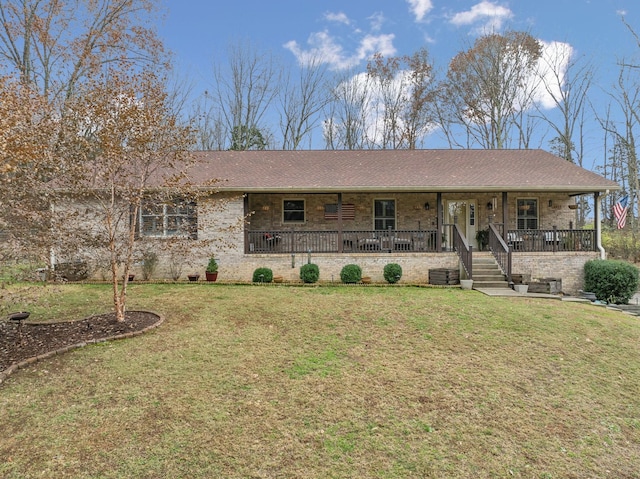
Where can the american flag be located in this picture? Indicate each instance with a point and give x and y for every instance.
(331, 211)
(620, 211)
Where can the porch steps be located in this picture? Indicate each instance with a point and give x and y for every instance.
(486, 272)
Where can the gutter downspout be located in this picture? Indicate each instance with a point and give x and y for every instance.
(597, 225)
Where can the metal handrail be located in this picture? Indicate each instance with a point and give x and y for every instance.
(500, 250)
(464, 250)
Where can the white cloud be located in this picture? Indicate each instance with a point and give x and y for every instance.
(337, 17)
(323, 47)
(552, 68)
(420, 8)
(489, 15)
(376, 21)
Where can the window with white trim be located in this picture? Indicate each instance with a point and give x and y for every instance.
(176, 218)
(527, 211)
(293, 211)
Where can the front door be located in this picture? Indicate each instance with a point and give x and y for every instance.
(463, 214)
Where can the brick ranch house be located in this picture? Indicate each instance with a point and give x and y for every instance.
(422, 209)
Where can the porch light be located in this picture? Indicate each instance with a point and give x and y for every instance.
(426, 206)
(490, 205)
(550, 203)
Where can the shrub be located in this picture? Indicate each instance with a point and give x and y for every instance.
(392, 273)
(309, 273)
(351, 273)
(149, 264)
(262, 275)
(212, 266)
(613, 281)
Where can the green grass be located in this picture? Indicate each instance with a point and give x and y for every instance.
(327, 382)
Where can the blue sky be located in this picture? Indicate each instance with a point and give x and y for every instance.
(346, 33)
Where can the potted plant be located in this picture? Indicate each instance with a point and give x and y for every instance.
(212, 270)
(193, 277)
(482, 238)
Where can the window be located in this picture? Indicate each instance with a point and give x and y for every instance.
(171, 219)
(527, 209)
(293, 211)
(384, 212)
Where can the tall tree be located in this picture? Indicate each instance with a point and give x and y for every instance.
(244, 91)
(625, 97)
(301, 103)
(404, 92)
(55, 45)
(27, 161)
(345, 123)
(490, 84)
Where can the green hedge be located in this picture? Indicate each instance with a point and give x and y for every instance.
(351, 273)
(612, 281)
(266, 273)
(392, 273)
(309, 273)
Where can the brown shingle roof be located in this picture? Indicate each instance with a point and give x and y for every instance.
(395, 170)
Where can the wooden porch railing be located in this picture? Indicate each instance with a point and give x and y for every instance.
(361, 241)
(551, 240)
(464, 250)
(500, 251)
(370, 241)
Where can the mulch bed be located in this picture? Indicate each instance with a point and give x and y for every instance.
(26, 341)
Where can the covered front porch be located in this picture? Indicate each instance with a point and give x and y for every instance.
(413, 222)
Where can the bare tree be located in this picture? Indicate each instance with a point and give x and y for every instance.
(54, 45)
(625, 98)
(301, 103)
(244, 91)
(345, 120)
(566, 82)
(419, 114)
(211, 130)
(389, 87)
(489, 85)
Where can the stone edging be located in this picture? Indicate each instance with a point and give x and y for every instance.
(15, 367)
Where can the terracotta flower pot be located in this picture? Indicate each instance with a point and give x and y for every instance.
(211, 276)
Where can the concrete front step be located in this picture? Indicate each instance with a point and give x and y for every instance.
(488, 277)
(490, 284)
(487, 273)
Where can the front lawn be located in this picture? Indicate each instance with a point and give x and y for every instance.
(328, 382)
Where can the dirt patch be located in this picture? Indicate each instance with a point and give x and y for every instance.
(20, 342)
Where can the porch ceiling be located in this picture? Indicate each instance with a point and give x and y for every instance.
(395, 171)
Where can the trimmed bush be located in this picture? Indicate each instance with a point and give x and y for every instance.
(351, 273)
(266, 273)
(309, 273)
(612, 281)
(392, 273)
